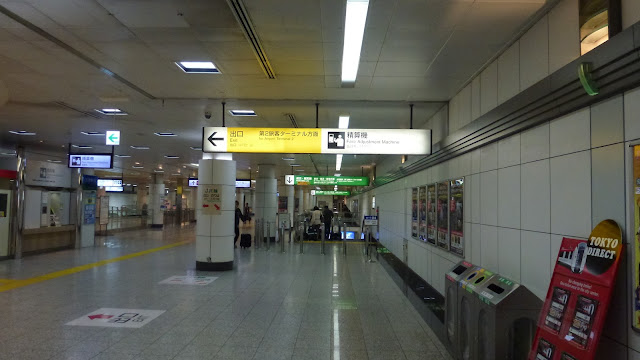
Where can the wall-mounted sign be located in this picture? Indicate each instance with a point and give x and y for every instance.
(109, 182)
(326, 180)
(89, 182)
(431, 214)
(370, 220)
(212, 199)
(112, 137)
(114, 188)
(193, 182)
(317, 141)
(330, 192)
(91, 161)
(636, 217)
(456, 217)
(414, 212)
(442, 210)
(575, 309)
(40, 173)
(422, 213)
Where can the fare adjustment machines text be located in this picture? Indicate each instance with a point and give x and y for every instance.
(452, 286)
(493, 318)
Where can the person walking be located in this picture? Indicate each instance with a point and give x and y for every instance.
(327, 215)
(238, 216)
(316, 220)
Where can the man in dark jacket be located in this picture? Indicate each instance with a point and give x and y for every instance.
(238, 217)
(327, 215)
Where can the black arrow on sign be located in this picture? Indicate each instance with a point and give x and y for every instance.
(289, 180)
(211, 138)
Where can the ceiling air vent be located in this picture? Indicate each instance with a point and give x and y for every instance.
(242, 15)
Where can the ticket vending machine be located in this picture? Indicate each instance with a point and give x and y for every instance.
(506, 320)
(468, 308)
(452, 285)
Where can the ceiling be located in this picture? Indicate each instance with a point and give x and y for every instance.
(53, 56)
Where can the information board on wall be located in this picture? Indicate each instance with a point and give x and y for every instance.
(575, 309)
(283, 202)
(212, 199)
(636, 216)
(414, 212)
(40, 173)
(431, 214)
(442, 208)
(422, 213)
(456, 217)
(316, 141)
(104, 210)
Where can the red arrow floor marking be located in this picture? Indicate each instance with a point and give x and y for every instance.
(100, 316)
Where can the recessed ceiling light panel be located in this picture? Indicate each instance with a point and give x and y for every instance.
(140, 147)
(123, 156)
(111, 111)
(198, 67)
(172, 157)
(355, 21)
(138, 167)
(288, 158)
(242, 112)
(82, 146)
(165, 134)
(92, 133)
(22, 132)
(197, 148)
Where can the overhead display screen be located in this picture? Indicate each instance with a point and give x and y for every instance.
(91, 161)
(109, 182)
(242, 183)
(193, 182)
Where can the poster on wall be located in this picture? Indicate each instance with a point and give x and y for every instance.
(283, 202)
(40, 173)
(422, 213)
(212, 199)
(431, 214)
(104, 210)
(575, 309)
(443, 215)
(636, 228)
(89, 206)
(414, 212)
(456, 220)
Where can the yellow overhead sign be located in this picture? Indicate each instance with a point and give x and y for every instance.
(273, 140)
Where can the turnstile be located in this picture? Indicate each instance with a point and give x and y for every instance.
(452, 285)
(506, 320)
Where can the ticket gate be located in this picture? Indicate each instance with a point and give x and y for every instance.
(452, 285)
(506, 320)
(468, 307)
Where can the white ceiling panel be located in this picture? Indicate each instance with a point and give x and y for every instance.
(146, 13)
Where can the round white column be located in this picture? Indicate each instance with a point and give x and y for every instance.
(307, 200)
(300, 201)
(215, 232)
(291, 203)
(266, 198)
(156, 194)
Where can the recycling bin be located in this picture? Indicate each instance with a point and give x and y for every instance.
(452, 285)
(506, 319)
(468, 307)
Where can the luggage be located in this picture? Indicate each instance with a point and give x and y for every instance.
(336, 236)
(245, 241)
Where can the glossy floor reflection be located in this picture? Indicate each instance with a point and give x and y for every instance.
(271, 306)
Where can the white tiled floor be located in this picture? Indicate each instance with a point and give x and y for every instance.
(271, 306)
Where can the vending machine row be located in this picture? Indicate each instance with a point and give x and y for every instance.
(488, 316)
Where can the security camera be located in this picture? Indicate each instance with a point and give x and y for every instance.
(207, 114)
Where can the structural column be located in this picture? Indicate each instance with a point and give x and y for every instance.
(85, 209)
(291, 204)
(307, 200)
(215, 210)
(179, 191)
(266, 197)
(18, 204)
(300, 201)
(156, 200)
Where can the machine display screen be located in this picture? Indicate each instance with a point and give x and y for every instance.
(351, 235)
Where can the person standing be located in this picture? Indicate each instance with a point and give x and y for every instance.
(238, 216)
(327, 215)
(316, 220)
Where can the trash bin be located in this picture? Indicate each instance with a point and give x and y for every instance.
(452, 285)
(506, 319)
(468, 307)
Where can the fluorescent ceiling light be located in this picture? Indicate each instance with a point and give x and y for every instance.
(111, 111)
(198, 67)
(138, 167)
(22, 132)
(54, 161)
(338, 162)
(195, 164)
(158, 171)
(82, 146)
(288, 159)
(165, 134)
(299, 170)
(176, 174)
(123, 156)
(197, 148)
(140, 147)
(355, 21)
(172, 157)
(134, 185)
(294, 165)
(343, 122)
(242, 112)
(8, 154)
(337, 174)
(92, 133)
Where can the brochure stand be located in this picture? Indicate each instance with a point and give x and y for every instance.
(576, 305)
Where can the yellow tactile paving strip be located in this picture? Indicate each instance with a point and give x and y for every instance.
(10, 284)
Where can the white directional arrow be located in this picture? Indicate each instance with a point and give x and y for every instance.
(289, 179)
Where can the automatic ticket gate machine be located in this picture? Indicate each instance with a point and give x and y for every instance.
(506, 320)
(468, 308)
(452, 285)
